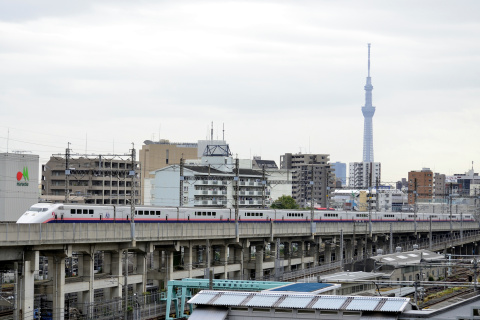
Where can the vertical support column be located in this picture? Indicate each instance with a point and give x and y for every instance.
(287, 253)
(360, 248)
(348, 251)
(328, 253)
(142, 269)
(56, 272)
(116, 272)
(369, 247)
(224, 261)
(302, 254)
(259, 262)
(187, 258)
(239, 260)
(88, 275)
(30, 264)
(168, 266)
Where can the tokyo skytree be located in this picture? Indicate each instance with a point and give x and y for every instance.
(368, 111)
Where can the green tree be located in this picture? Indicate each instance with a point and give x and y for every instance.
(284, 202)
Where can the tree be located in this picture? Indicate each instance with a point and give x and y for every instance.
(284, 202)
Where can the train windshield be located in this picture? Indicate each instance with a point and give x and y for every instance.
(35, 209)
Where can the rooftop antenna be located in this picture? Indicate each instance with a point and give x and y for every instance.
(8, 137)
(223, 135)
(211, 132)
(369, 59)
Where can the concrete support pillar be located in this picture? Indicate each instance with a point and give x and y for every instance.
(142, 269)
(360, 248)
(116, 272)
(56, 273)
(168, 266)
(107, 263)
(239, 259)
(259, 262)
(187, 259)
(301, 248)
(338, 254)
(348, 251)
(287, 252)
(30, 264)
(369, 248)
(224, 261)
(328, 253)
(88, 276)
(273, 250)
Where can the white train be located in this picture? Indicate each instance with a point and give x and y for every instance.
(83, 213)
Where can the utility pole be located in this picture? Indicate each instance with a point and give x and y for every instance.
(415, 207)
(264, 185)
(311, 195)
(236, 186)
(132, 174)
(182, 178)
(67, 174)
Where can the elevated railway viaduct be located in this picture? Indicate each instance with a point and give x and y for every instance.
(169, 251)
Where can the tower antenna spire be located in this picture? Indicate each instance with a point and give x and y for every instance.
(369, 59)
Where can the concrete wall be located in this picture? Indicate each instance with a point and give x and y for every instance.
(19, 184)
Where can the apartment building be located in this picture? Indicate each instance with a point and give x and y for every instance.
(312, 176)
(364, 175)
(96, 179)
(156, 155)
(420, 186)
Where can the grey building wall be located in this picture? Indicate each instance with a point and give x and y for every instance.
(19, 185)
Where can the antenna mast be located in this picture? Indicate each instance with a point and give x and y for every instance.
(369, 59)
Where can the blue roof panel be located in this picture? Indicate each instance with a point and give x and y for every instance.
(303, 287)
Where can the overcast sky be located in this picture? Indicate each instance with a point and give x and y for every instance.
(283, 76)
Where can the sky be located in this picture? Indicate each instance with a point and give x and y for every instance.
(280, 76)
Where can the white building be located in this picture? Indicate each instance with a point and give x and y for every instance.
(364, 174)
(19, 185)
(210, 181)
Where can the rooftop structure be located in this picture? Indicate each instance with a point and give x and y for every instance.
(368, 111)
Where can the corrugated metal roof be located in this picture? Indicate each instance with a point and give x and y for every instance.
(209, 313)
(392, 305)
(296, 301)
(203, 297)
(231, 298)
(329, 302)
(364, 304)
(260, 300)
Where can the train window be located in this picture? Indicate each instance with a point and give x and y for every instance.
(90, 211)
(256, 214)
(209, 213)
(79, 211)
(214, 214)
(72, 211)
(261, 214)
(204, 213)
(158, 213)
(85, 211)
(140, 213)
(247, 214)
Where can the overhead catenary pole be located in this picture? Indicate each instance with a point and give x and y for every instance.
(264, 186)
(236, 186)
(132, 174)
(181, 182)
(67, 174)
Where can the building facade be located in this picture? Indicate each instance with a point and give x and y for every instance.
(18, 184)
(420, 186)
(340, 169)
(312, 176)
(364, 175)
(156, 155)
(95, 179)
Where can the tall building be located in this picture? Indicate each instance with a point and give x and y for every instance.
(156, 155)
(420, 186)
(368, 111)
(340, 172)
(18, 184)
(364, 175)
(309, 171)
(95, 179)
